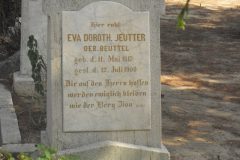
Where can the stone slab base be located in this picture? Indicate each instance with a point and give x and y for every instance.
(23, 84)
(19, 148)
(109, 150)
(9, 129)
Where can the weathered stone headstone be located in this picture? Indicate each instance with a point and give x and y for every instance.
(104, 79)
(33, 22)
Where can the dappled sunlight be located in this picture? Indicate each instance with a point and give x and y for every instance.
(220, 79)
(205, 14)
(209, 4)
(193, 80)
(200, 79)
(218, 113)
(219, 86)
(177, 109)
(211, 80)
(203, 140)
(230, 98)
(178, 82)
(186, 82)
(193, 132)
(175, 141)
(192, 136)
(198, 123)
(197, 136)
(204, 25)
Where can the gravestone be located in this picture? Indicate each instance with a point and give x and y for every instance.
(33, 22)
(104, 79)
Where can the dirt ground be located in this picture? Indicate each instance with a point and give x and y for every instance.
(201, 81)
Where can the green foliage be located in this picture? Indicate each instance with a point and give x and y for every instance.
(9, 11)
(181, 20)
(48, 153)
(5, 155)
(23, 156)
(8, 156)
(38, 65)
(45, 153)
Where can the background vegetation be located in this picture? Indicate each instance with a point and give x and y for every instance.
(9, 11)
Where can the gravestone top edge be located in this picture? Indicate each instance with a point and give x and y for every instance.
(51, 7)
(101, 3)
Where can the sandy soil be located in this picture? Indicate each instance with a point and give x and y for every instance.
(201, 81)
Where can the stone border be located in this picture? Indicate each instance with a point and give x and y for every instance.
(19, 148)
(9, 129)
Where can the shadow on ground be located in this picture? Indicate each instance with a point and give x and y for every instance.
(201, 84)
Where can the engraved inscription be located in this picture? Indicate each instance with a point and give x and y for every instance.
(106, 69)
